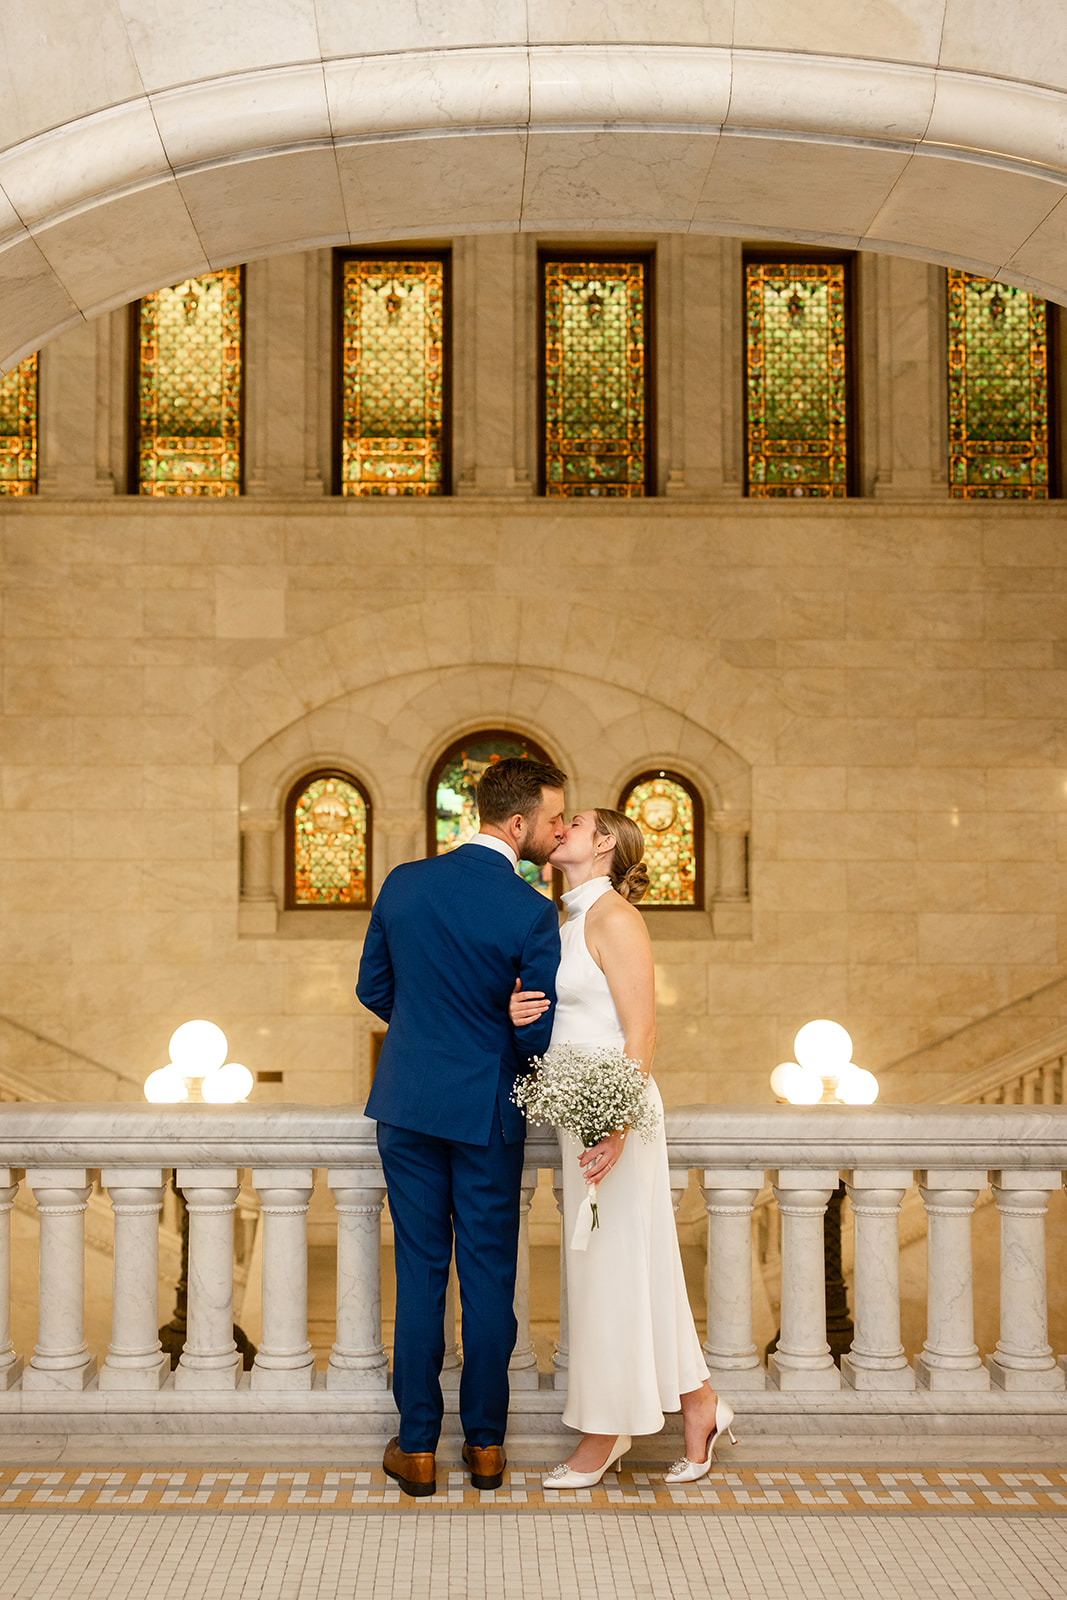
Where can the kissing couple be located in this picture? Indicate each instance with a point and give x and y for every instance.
(467, 964)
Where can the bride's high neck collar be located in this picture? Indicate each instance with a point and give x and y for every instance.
(583, 895)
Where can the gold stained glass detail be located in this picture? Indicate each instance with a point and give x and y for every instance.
(796, 379)
(393, 378)
(330, 844)
(997, 391)
(595, 380)
(455, 808)
(189, 387)
(18, 429)
(663, 810)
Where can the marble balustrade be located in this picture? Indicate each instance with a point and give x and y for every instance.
(952, 1153)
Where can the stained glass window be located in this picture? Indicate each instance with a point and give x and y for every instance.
(595, 379)
(18, 429)
(997, 391)
(669, 813)
(328, 842)
(394, 315)
(189, 387)
(797, 378)
(452, 812)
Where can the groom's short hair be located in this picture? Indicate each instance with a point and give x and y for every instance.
(513, 787)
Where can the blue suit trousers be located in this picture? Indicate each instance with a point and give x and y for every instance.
(441, 1190)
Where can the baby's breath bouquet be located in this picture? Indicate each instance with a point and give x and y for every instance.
(589, 1091)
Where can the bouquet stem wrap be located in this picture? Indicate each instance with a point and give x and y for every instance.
(587, 1219)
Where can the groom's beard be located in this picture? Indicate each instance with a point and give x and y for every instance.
(535, 854)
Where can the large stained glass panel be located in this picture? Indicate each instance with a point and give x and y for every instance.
(328, 843)
(797, 378)
(189, 387)
(595, 335)
(453, 787)
(393, 380)
(669, 816)
(18, 429)
(998, 422)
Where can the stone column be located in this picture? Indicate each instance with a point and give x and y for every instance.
(877, 1360)
(61, 1358)
(949, 1358)
(284, 1359)
(135, 1358)
(729, 1197)
(258, 911)
(10, 1363)
(210, 1359)
(1023, 1359)
(903, 396)
(489, 453)
(561, 1354)
(74, 375)
(727, 875)
(522, 1368)
(802, 1360)
(279, 316)
(358, 1359)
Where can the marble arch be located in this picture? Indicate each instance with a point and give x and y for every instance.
(135, 148)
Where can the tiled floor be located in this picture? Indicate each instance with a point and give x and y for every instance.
(778, 1532)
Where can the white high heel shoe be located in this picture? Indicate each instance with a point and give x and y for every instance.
(686, 1471)
(564, 1477)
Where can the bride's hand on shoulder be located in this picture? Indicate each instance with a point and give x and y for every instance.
(526, 1005)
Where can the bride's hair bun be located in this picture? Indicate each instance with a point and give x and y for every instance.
(634, 883)
(629, 874)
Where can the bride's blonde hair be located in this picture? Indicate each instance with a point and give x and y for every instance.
(629, 875)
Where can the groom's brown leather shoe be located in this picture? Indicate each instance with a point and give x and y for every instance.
(416, 1474)
(487, 1463)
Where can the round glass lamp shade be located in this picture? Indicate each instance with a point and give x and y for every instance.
(197, 1048)
(228, 1084)
(856, 1086)
(824, 1046)
(166, 1087)
(799, 1085)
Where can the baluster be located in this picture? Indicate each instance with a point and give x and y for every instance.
(1023, 1358)
(451, 1361)
(729, 1196)
(10, 1363)
(61, 1358)
(1029, 1089)
(1048, 1083)
(522, 1368)
(135, 1358)
(877, 1359)
(949, 1358)
(802, 1360)
(561, 1354)
(210, 1359)
(284, 1359)
(358, 1359)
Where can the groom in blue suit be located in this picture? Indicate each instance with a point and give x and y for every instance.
(447, 941)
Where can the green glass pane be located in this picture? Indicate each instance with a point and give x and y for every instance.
(189, 388)
(393, 380)
(595, 313)
(330, 845)
(796, 379)
(997, 390)
(663, 810)
(455, 809)
(18, 429)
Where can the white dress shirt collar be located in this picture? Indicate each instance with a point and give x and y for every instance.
(491, 842)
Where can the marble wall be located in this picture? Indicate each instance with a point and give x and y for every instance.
(874, 691)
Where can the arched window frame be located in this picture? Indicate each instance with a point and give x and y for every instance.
(477, 736)
(295, 791)
(697, 801)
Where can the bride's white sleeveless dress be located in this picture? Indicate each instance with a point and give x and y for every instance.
(633, 1347)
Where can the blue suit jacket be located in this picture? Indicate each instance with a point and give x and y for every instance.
(447, 939)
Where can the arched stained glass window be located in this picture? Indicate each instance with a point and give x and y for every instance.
(451, 812)
(595, 375)
(327, 829)
(797, 378)
(393, 437)
(188, 417)
(669, 812)
(998, 422)
(18, 429)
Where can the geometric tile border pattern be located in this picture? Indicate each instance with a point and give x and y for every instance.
(823, 1491)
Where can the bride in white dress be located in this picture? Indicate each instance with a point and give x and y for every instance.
(634, 1350)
